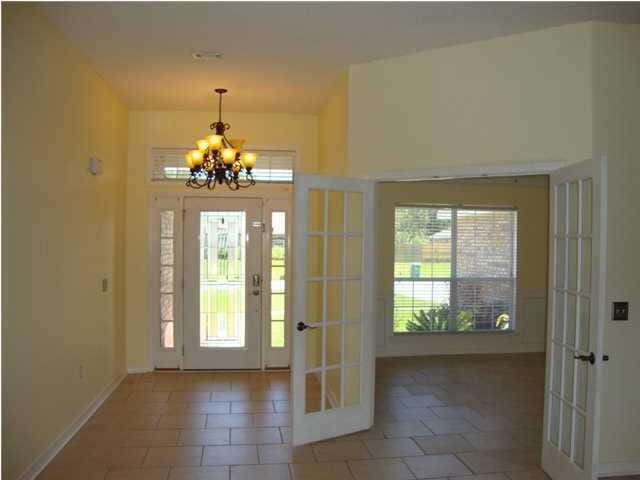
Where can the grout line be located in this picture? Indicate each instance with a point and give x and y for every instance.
(465, 464)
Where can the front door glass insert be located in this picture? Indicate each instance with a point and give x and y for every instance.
(222, 279)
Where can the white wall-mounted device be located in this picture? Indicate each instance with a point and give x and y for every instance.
(95, 166)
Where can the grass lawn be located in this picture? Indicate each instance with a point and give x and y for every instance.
(427, 269)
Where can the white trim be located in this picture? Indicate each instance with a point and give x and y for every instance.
(40, 463)
(264, 192)
(619, 469)
(507, 170)
(134, 370)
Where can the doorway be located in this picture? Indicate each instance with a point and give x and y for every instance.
(220, 282)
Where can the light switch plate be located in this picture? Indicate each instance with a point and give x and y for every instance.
(620, 311)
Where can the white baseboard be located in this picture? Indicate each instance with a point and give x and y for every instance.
(619, 469)
(138, 369)
(54, 448)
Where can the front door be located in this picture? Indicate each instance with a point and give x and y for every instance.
(222, 283)
(333, 298)
(576, 316)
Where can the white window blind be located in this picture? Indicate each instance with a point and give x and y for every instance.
(273, 166)
(454, 269)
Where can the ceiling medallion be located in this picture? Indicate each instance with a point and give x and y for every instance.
(219, 160)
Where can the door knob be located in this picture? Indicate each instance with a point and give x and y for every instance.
(591, 358)
(302, 326)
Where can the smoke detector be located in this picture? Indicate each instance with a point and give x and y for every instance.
(204, 55)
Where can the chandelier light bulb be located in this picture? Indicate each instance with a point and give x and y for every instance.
(228, 156)
(196, 158)
(202, 145)
(215, 141)
(249, 159)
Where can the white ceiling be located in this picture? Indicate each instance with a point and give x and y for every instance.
(280, 57)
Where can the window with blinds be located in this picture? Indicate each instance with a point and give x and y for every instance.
(273, 166)
(454, 269)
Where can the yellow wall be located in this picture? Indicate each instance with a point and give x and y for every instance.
(520, 98)
(62, 231)
(182, 128)
(616, 124)
(332, 130)
(530, 196)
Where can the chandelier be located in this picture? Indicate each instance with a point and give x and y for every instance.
(219, 160)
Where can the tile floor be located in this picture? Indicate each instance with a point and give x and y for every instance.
(463, 417)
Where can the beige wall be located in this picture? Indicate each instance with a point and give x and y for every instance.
(520, 98)
(332, 130)
(182, 128)
(62, 232)
(530, 196)
(616, 124)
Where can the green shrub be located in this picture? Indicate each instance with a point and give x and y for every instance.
(437, 320)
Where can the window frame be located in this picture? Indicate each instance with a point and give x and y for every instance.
(452, 279)
(257, 148)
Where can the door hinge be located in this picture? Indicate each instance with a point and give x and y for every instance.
(184, 213)
(183, 350)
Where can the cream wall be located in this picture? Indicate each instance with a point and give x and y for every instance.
(333, 130)
(531, 198)
(513, 99)
(616, 124)
(182, 128)
(62, 232)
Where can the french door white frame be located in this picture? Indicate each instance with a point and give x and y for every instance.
(556, 463)
(338, 420)
(276, 197)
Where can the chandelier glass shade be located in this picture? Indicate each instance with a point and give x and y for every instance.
(218, 160)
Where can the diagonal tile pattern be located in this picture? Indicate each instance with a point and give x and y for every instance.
(471, 417)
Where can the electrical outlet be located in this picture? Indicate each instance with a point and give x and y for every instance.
(81, 371)
(105, 285)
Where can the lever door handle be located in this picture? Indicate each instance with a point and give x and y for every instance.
(591, 358)
(303, 326)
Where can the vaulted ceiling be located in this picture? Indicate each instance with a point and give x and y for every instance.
(280, 57)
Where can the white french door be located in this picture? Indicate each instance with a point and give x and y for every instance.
(332, 325)
(576, 313)
(222, 283)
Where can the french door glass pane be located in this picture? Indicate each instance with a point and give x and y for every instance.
(554, 420)
(222, 279)
(578, 441)
(567, 428)
(587, 186)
